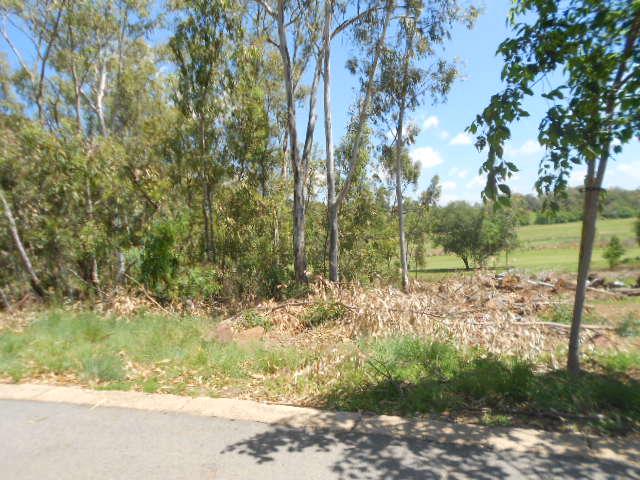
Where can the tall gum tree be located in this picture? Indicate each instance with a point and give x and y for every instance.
(294, 30)
(412, 69)
(593, 50)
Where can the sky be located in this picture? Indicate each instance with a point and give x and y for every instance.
(443, 147)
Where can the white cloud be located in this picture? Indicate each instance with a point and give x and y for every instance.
(457, 172)
(527, 149)
(431, 122)
(630, 170)
(450, 192)
(426, 156)
(444, 135)
(478, 181)
(462, 138)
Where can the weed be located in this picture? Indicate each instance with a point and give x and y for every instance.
(102, 366)
(323, 313)
(561, 313)
(629, 327)
(410, 375)
(252, 319)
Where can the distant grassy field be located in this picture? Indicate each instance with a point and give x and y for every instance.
(554, 247)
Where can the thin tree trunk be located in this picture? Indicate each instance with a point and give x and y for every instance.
(300, 260)
(335, 201)
(364, 106)
(95, 277)
(332, 210)
(26, 262)
(399, 170)
(122, 268)
(593, 187)
(4, 301)
(591, 200)
(43, 65)
(401, 236)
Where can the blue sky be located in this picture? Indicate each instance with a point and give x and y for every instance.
(443, 148)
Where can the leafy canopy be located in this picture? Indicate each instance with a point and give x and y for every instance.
(582, 56)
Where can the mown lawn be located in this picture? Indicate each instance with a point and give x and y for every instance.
(553, 247)
(402, 375)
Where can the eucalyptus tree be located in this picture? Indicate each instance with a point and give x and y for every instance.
(411, 68)
(94, 77)
(41, 22)
(294, 28)
(363, 19)
(203, 50)
(588, 53)
(98, 41)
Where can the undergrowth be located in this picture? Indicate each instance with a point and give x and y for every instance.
(409, 375)
(401, 375)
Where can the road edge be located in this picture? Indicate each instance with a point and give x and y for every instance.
(496, 438)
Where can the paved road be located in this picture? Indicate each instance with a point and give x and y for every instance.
(59, 441)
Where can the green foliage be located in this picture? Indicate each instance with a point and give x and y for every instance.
(614, 252)
(583, 40)
(324, 313)
(159, 263)
(409, 375)
(562, 313)
(629, 326)
(251, 319)
(637, 228)
(473, 232)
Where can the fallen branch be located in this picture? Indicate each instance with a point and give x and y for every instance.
(564, 325)
(146, 294)
(615, 293)
(629, 292)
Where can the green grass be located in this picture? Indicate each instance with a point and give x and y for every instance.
(408, 375)
(555, 247)
(403, 375)
(168, 352)
(563, 313)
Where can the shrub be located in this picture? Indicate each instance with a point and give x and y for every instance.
(629, 327)
(614, 252)
(324, 312)
(251, 319)
(159, 262)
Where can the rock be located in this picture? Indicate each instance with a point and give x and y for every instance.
(250, 335)
(222, 333)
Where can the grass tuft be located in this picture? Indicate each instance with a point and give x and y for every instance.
(409, 375)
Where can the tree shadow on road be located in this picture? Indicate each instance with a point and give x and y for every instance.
(359, 455)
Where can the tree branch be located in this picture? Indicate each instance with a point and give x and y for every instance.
(347, 23)
(267, 8)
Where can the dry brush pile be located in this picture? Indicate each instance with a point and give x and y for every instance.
(498, 313)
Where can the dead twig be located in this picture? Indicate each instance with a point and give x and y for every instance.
(147, 294)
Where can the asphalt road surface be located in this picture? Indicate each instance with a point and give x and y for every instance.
(42, 441)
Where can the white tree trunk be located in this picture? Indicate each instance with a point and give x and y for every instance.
(26, 262)
(332, 210)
